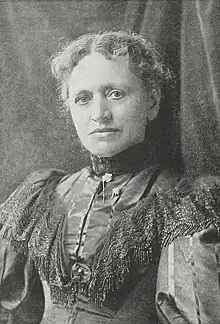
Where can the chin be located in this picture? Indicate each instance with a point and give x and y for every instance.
(102, 154)
(106, 152)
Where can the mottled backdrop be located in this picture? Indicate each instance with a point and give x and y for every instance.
(34, 133)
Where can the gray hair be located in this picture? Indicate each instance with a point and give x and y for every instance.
(143, 58)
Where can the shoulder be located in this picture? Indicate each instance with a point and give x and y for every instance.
(19, 204)
(68, 180)
(29, 203)
(204, 189)
(191, 206)
(168, 179)
(32, 184)
(198, 191)
(43, 175)
(204, 183)
(180, 205)
(174, 183)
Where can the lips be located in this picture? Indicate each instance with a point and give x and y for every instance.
(104, 130)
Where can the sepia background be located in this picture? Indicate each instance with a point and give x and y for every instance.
(35, 133)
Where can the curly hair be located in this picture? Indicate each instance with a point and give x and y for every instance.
(143, 59)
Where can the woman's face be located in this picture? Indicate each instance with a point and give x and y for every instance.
(108, 104)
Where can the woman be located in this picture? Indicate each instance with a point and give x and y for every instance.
(84, 248)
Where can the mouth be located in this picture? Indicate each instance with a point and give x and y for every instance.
(104, 130)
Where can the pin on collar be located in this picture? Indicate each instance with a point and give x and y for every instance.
(107, 177)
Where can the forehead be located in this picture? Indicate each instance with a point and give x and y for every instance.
(95, 71)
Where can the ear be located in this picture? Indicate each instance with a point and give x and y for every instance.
(153, 103)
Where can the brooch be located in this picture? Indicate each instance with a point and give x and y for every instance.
(107, 177)
(80, 272)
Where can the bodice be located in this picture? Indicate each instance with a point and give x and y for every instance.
(91, 207)
(54, 221)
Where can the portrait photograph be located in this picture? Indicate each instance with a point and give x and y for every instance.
(110, 162)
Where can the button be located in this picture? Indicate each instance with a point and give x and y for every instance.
(116, 192)
(160, 298)
(159, 302)
(81, 272)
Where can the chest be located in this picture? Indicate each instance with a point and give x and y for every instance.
(91, 207)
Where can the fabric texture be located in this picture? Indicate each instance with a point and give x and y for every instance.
(188, 289)
(160, 218)
(81, 312)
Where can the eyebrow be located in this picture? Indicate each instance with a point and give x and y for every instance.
(103, 87)
(81, 92)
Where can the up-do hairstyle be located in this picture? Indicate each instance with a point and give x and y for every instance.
(143, 59)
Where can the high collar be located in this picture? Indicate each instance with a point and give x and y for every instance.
(132, 160)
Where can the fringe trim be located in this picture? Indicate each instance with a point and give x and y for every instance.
(156, 220)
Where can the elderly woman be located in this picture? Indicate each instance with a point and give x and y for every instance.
(84, 248)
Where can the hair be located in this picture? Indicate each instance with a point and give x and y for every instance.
(143, 59)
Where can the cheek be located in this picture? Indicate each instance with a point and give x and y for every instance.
(135, 122)
(135, 115)
(79, 119)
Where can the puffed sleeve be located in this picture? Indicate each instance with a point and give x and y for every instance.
(21, 292)
(188, 288)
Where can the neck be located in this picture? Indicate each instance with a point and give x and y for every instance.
(132, 160)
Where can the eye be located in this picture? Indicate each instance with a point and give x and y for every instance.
(82, 100)
(116, 94)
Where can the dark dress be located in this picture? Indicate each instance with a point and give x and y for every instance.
(84, 249)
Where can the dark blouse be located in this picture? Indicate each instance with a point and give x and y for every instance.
(83, 209)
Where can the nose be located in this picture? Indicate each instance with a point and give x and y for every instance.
(100, 109)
